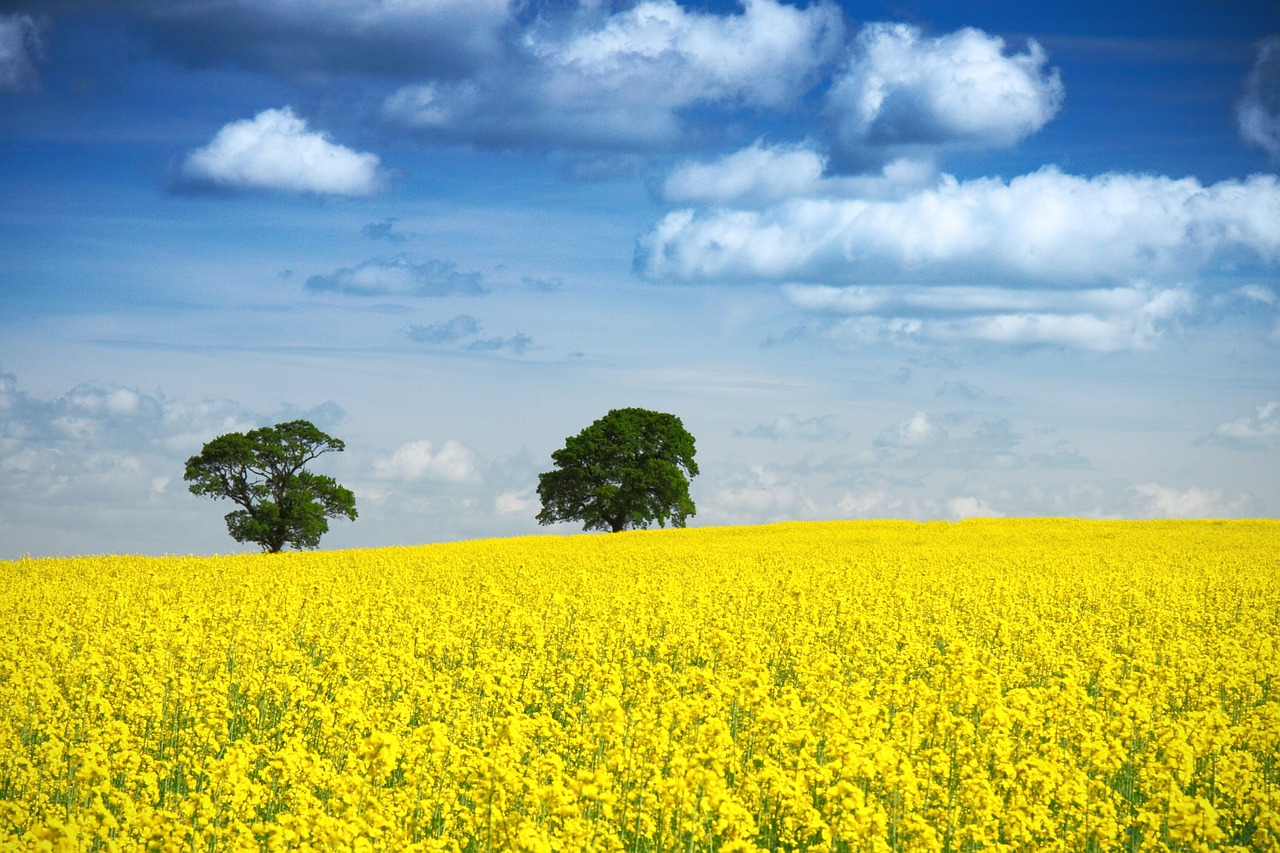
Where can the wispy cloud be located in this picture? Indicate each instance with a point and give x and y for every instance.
(1258, 111)
(21, 47)
(399, 276)
(384, 230)
(792, 427)
(930, 442)
(465, 330)
(275, 150)
(446, 332)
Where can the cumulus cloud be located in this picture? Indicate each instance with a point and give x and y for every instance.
(275, 150)
(1099, 263)
(452, 462)
(1258, 111)
(399, 276)
(1257, 430)
(21, 47)
(621, 80)
(1046, 226)
(903, 91)
(762, 175)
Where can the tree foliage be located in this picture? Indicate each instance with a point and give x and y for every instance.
(263, 472)
(627, 470)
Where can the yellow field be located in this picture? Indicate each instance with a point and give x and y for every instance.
(987, 685)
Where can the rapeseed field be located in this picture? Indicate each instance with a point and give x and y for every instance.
(993, 685)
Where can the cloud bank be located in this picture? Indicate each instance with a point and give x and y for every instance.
(275, 150)
(1098, 263)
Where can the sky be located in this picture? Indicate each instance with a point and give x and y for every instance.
(921, 260)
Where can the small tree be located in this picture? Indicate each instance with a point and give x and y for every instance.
(262, 471)
(627, 470)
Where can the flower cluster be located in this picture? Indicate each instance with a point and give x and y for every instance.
(1002, 685)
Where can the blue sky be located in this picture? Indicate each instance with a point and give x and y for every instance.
(914, 260)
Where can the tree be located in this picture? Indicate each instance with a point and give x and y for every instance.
(627, 470)
(262, 471)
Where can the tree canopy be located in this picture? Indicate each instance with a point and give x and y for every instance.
(263, 471)
(629, 469)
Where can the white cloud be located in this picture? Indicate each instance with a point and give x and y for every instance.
(762, 175)
(857, 504)
(1104, 321)
(21, 46)
(619, 80)
(275, 150)
(1261, 429)
(763, 56)
(1167, 502)
(917, 432)
(1257, 293)
(98, 469)
(1100, 263)
(755, 496)
(755, 173)
(970, 507)
(453, 462)
(1046, 228)
(1258, 111)
(902, 90)
(523, 502)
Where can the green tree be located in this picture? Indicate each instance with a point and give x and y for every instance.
(262, 471)
(627, 470)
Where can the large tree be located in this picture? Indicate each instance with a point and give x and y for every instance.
(627, 470)
(263, 471)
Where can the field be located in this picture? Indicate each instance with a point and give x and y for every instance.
(988, 685)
